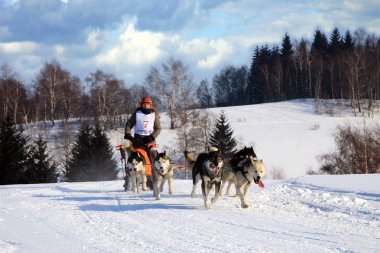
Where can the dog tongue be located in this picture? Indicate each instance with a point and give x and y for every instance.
(261, 184)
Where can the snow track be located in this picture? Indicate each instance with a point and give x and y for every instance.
(287, 216)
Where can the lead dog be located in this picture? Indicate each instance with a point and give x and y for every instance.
(247, 170)
(228, 174)
(136, 167)
(208, 168)
(164, 172)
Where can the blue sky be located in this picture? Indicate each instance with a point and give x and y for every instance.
(127, 37)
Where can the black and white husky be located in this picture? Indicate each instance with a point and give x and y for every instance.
(163, 171)
(136, 167)
(208, 168)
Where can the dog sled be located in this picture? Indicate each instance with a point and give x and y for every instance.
(143, 151)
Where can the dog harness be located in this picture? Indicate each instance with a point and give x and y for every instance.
(236, 168)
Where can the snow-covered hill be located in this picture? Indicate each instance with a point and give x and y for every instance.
(298, 214)
(288, 136)
(306, 214)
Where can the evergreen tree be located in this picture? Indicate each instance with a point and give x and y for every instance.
(79, 164)
(288, 71)
(320, 43)
(221, 137)
(13, 153)
(336, 43)
(103, 167)
(41, 169)
(348, 41)
(91, 157)
(256, 85)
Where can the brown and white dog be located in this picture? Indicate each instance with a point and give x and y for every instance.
(163, 172)
(229, 174)
(248, 170)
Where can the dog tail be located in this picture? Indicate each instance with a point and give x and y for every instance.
(189, 156)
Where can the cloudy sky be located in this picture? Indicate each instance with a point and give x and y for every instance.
(127, 37)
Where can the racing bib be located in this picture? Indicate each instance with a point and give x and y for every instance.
(144, 123)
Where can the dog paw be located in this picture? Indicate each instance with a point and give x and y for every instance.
(158, 198)
(213, 200)
(244, 205)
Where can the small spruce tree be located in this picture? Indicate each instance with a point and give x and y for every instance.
(221, 136)
(103, 167)
(91, 157)
(79, 165)
(13, 153)
(41, 169)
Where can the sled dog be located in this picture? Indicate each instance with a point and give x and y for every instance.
(247, 170)
(136, 167)
(229, 175)
(208, 168)
(164, 171)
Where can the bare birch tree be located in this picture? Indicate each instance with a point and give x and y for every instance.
(171, 84)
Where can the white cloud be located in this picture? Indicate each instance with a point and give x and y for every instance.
(134, 47)
(97, 38)
(59, 50)
(207, 53)
(18, 47)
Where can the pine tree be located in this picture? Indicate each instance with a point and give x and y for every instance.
(348, 41)
(336, 43)
(320, 43)
(41, 169)
(13, 153)
(222, 138)
(91, 157)
(103, 166)
(80, 162)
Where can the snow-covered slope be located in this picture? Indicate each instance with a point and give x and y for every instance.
(306, 214)
(288, 136)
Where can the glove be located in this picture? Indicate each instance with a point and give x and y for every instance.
(149, 139)
(128, 137)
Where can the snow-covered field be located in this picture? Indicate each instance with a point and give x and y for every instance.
(288, 136)
(306, 214)
(298, 214)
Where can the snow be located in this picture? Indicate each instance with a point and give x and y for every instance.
(306, 214)
(319, 213)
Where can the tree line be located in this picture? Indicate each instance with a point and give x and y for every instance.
(339, 67)
(335, 67)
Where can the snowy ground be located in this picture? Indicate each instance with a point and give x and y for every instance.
(306, 214)
(298, 214)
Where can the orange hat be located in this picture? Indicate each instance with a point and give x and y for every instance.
(146, 100)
